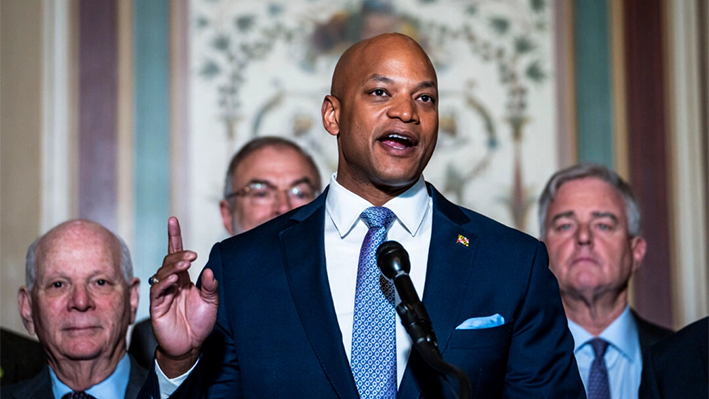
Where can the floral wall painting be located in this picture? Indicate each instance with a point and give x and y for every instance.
(263, 67)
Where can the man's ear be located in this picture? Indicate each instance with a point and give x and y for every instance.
(24, 305)
(134, 292)
(638, 245)
(227, 216)
(331, 114)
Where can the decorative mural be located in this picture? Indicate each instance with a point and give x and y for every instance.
(263, 68)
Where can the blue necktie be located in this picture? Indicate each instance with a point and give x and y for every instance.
(374, 326)
(598, 386)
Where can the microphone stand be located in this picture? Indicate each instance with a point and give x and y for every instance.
(427, 346)
(393, 261)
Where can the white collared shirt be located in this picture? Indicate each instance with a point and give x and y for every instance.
(114, 386)
(623, 357)
(344, 234)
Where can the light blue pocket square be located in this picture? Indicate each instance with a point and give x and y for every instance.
(475, 323)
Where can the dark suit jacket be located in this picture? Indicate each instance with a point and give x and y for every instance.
(649, 333)
(20, 357)
(142, 343)
(40, 387)
(277, 334)
(678, 367)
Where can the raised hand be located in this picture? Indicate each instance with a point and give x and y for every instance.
(182, 314)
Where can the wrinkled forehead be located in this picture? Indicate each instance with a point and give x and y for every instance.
(588, 196)
(397, 53)
(79, 250)
(273, 163)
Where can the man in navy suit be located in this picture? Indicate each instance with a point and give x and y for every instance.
(273, 314)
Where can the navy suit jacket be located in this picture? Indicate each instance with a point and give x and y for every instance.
(277, 333)
(678, 366)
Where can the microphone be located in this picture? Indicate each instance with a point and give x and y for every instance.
(393, 261)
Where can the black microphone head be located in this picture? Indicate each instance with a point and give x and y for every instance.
(393, 259)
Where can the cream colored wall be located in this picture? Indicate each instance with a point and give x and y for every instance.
(688, 210)
(20, 145)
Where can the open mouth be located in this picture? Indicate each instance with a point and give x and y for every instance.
(398, 141)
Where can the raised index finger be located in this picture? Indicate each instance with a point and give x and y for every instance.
(174, 236)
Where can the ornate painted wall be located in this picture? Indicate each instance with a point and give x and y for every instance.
(264, 68)
(128, 111)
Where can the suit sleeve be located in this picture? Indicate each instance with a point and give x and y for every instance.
(541, 363)
(216, 375)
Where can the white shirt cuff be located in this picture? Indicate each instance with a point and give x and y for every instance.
(170, 385)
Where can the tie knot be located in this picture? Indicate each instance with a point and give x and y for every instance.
(377, 216)
(78, 395)
(599, 346)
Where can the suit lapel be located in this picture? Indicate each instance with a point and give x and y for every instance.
(447, 279)
(38, 387)
(304, 254)
(136, 378)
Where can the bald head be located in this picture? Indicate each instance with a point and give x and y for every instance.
(79, 299)
(358, 59)
(76, 230)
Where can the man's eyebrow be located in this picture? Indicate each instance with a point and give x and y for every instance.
(605, 215)
(259, 181)
(380, 78)
(304, 179)
(566, 214)
(268, 183)
(429, 84)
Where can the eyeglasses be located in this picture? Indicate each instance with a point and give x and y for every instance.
(265, 193)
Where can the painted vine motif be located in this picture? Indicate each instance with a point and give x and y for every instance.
(502, 33)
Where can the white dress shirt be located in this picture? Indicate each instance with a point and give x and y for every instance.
(344, 234)
(623, 357)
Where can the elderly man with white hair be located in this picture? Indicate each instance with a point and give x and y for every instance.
(80, 297)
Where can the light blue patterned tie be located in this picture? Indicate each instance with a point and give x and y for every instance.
(598, 386)
(374, 326)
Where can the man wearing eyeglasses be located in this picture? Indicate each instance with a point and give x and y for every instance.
(267, 177)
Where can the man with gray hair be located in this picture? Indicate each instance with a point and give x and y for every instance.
(590, 221)
(80, 297)
(267, 177)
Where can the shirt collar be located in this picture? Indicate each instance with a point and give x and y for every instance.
(621, 334)
(117, 382)
(344, 206)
